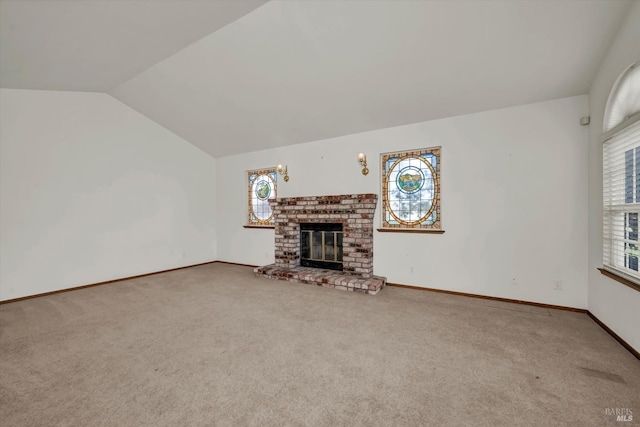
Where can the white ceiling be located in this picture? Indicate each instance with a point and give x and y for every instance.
(296, 71)
(95, 45)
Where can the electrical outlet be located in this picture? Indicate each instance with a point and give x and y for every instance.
(411, 270)
(557, 285)
(514, 282)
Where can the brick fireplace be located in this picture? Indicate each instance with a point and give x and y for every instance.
(355, 213)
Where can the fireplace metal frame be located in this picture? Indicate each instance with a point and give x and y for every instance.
(324, 228)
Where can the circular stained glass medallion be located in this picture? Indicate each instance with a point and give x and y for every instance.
(262, 189)
(410, 179)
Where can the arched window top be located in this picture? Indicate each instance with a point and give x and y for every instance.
(624, 99)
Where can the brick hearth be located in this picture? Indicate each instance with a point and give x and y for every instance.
(355, 212)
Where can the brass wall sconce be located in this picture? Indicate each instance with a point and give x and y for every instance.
(363, 161)
(284, 171)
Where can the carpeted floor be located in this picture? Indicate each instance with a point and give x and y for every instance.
(214, 345)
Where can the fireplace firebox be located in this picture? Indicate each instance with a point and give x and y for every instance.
(321, 245)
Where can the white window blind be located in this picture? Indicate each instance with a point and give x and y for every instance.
(621, 196)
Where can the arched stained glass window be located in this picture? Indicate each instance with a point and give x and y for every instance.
(262, 188)
(624, 99)
(411, 189)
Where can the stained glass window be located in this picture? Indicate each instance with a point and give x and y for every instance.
(411, 189)
(262, 188)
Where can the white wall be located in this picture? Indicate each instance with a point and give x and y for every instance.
(91, 190)
(514, 201)
(618, 306)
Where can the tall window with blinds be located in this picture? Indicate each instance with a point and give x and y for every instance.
(621, 196)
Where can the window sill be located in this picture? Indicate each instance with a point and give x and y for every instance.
(259, 226)
(410, 230)
(620, 279)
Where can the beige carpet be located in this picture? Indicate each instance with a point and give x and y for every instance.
(213, 345)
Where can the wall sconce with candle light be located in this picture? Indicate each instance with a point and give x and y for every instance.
(363, 161)
(284, 171)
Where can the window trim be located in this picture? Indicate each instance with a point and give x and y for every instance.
(411, 230)
(619, 277)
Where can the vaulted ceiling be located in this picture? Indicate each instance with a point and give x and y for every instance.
(239, 76)
(96, 45)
